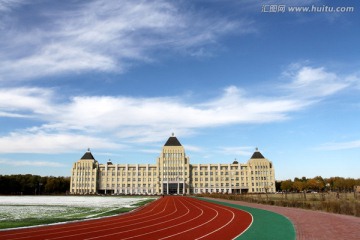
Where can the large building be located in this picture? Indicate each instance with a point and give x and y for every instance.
(172, 174)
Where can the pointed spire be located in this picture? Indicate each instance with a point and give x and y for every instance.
(257, 154)
(88, 155)
(172, 141)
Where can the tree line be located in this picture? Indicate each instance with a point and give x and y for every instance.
(333, 184)
(33, 185)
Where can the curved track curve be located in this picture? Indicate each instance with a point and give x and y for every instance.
(170, 217)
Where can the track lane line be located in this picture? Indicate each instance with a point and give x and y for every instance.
(218, 229)
(182, 207)
(190, 228)
(116, 223)
(143, 228)
(192, 219)
(216, 207)
(231, 209)
(76, 224)
(252, 220)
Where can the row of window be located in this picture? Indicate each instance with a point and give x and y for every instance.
(221, 179)
(219, 185)
(261, 172)
(217, 173)
(84, 173)
(174, 173)
(172, 155)
(82, 185)
(129, 185)
(128, 174)
(216, 168)
(179, 175)
(174, 168)
(212, 190)
(80, 179)
(82, 167)
(130, 169)
(129, 179)
(175, 179)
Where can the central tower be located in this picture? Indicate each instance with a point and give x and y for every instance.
(174, 168)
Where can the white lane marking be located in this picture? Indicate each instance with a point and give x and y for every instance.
(86, 222)
(233, 216)
(112, 234)
(96, 225)
(202, 212)
(190, 229)
(116, 223)
(252, 220)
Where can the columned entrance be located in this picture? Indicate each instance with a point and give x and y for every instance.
(173, 188)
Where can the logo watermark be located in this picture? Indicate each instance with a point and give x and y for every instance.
(282, 8)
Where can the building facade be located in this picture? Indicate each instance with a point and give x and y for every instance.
(172, 174)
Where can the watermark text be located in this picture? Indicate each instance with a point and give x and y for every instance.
(282, 8)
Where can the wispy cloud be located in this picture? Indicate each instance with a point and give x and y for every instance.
(237, 151)
(8, 5)
(340, 145)
(314, 82)
(39, 142)
(30, 163)
(68, 125)
(106, 36)
(25, 102)
(104, 121)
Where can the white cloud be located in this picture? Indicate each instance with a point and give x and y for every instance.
(105, 36)
(25, 102)
(340, 145)
(30, 163)
(149, 115)
(25, 142)
(235, 151)
(8, 5)
(103, 121)
(311, 82)
(127, 118)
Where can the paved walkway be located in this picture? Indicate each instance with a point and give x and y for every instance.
(314, 225)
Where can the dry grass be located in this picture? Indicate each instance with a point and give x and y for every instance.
(342, 203)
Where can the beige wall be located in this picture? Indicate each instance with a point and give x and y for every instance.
(84, 176)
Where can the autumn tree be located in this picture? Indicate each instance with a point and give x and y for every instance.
(33, 184)
(300, 186)
(286, 186)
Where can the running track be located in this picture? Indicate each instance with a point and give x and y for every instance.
(170, 217)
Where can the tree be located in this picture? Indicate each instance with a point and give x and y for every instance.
(316, 183)
(33, 184)
(339, 184)
(300, 186)
(286, 185)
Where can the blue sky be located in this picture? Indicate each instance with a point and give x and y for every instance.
(120, 76)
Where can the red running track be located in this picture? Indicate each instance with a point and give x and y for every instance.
(170, 217)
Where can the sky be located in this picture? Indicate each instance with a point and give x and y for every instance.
(226, 77)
